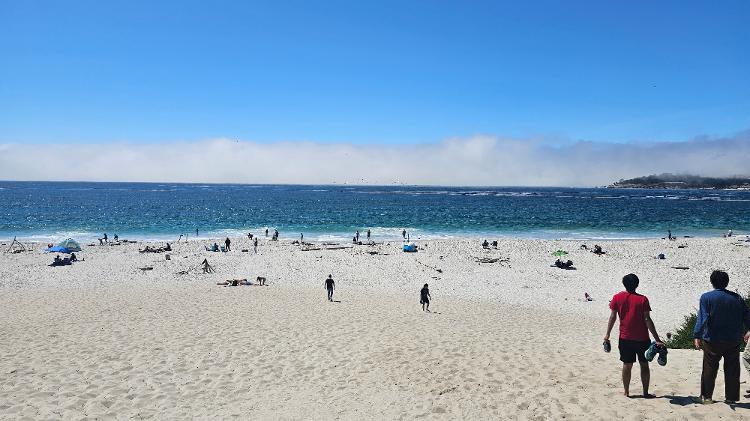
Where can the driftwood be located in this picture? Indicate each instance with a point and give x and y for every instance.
(16, 243)
(431, 267)
(325, 248)
(680, 267)
(502, 260)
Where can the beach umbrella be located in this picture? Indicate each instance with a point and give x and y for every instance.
(559, 253)
(70, 244)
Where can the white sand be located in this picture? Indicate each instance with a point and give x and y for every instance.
(104, 340)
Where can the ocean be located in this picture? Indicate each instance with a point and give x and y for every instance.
(49, 211)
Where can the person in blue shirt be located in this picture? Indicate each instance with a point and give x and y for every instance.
(722, 320)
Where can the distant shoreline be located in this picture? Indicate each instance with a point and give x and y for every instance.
(683, 182)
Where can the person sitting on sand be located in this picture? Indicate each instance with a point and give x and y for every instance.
(634, 312)
(117, 238)
(424, 298)
(57, 261)
(215, 247)
(330, 286)
(494, 244)
(564, 265)
(485, 244)
(598, 250)
(234, 282)
(73, 257)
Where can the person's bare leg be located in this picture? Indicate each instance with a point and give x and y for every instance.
(626, 370)
(645, 379)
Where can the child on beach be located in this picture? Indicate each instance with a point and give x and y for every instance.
(424, 297)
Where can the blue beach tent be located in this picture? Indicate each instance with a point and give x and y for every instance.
(68, 245)
(410, 248)
(58, 249)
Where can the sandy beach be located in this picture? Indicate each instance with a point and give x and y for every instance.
(511, 339)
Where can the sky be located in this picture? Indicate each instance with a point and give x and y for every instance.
(383, 79)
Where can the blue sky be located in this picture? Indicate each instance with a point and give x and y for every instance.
(377, 73)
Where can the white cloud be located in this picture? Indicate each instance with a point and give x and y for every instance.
(479, 160)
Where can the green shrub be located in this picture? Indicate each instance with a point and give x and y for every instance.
(683, 336)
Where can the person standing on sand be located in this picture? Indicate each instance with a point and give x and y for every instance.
(356, 236)
(330, 286)
(266, 232)
(227, 243)
(723, 317)
(424, 297)
(301, 237)
(255, 245)
(368, 235)
(634, 310)
(403, 234)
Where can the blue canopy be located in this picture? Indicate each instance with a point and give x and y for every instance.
(58, 249)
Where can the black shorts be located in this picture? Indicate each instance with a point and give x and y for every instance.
(424, 301)
(629, 349)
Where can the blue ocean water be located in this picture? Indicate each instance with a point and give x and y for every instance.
(52, 210)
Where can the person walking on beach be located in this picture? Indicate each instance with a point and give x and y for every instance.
(266, 232)
(634, 310)
(105, 238)
(330, 286)
(255, 245)
(356, 236)
(196, 232)
(424, 298)
(403, 234)
(368, 235)
(301, 237)
(723, 317)
(227, 243)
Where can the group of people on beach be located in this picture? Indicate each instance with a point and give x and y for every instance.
(722, 324)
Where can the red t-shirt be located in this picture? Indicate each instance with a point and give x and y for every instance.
(630, 307)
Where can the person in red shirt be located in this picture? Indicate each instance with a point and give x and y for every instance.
(634, 311)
